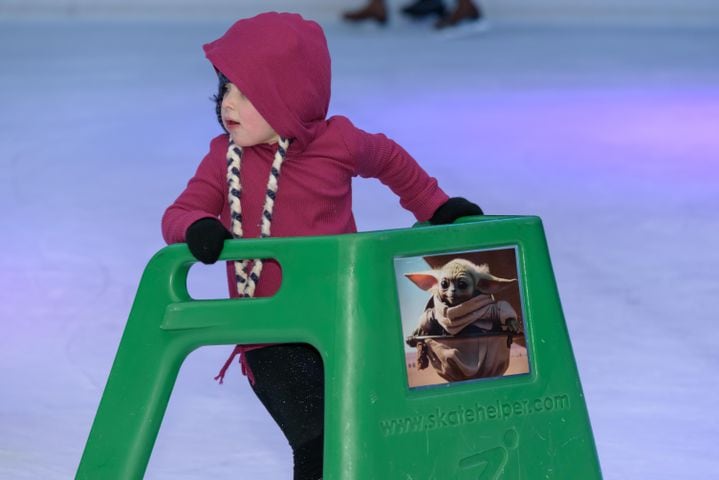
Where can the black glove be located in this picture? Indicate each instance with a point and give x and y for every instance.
(453, 209)
(205, 238)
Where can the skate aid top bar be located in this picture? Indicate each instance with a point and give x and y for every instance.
(481, 407)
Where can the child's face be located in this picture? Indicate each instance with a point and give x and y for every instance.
(244, 123)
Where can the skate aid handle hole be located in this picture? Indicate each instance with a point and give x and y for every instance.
(209, 282)
(305, 264)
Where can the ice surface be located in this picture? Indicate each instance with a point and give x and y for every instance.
(611, 135)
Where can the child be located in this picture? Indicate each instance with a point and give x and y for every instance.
(283, 168)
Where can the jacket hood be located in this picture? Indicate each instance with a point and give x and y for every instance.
(281, 63)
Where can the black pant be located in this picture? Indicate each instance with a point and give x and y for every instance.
(289, 381)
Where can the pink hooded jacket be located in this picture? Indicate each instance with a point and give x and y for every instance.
(281, 62)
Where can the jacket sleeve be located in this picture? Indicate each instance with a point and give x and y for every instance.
(204, 196)
(377, 156)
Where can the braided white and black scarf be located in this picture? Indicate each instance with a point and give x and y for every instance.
(246, 278)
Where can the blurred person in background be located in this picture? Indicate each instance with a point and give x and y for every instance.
(376, 10)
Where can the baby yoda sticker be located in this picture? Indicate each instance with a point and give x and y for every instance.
(461, 316)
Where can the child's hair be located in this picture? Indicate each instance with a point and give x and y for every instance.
(217, 98)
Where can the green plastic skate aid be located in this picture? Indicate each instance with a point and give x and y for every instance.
(339, 294)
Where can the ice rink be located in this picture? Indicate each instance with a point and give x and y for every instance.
(609, 133)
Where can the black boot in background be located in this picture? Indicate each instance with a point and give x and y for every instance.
(424, 8)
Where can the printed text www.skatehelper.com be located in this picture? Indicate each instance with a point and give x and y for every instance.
(462, 415)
